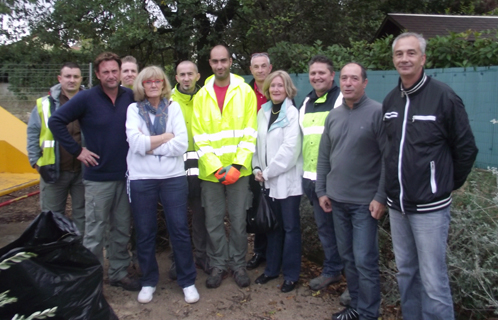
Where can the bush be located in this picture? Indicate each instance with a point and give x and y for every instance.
(466, 49)
(473, 245)
(472, 254)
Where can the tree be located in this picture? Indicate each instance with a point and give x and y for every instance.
(195, 26)
(166, 31)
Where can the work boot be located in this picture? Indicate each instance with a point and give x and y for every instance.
(215, 278)
(127, 283)
(241, 277)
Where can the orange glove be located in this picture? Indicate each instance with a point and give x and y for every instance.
(227, 175)
(220, 176)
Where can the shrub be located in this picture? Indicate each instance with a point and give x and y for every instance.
(472, 253)
(466, 49)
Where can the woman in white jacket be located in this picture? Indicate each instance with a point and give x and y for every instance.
(278, 164)
(158, 139)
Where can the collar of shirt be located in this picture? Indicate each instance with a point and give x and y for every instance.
(261, 99)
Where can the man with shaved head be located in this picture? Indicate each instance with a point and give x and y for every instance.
(224, 131)
(186, 77)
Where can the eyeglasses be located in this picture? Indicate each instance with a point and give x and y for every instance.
(150, 82)
(259, 54)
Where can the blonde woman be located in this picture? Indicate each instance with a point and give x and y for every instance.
(158, 139)
(278, 164)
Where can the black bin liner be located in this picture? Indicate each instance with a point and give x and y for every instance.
(64, 274)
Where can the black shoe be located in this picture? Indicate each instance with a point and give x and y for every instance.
(288, 286)
(255, 261)
(347, 314)
(128, 283)
(262, 279)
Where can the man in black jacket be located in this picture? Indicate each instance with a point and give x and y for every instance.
(260, 69)
(429, 153)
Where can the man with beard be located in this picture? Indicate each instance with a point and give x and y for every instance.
(224, 131)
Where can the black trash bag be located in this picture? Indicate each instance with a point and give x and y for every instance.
(64, 274)
(260, 217)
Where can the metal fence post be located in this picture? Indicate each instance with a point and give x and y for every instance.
(90, 74)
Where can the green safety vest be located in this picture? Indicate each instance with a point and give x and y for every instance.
(228, 138)
(47, 143)
(312, 125)
(186, 102)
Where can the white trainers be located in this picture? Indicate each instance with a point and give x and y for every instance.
(191, 294)
(145, 295)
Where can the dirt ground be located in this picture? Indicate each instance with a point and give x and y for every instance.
(226, 302)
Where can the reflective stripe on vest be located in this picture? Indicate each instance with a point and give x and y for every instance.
(226, 134)
(309, 175)
(192, 172)
(47, 142)
(190, 155)
(312, 126)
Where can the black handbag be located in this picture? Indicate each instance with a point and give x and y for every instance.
(260, 217)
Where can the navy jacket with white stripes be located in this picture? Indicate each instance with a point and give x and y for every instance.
(430, 146)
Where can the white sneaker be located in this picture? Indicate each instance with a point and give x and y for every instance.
(145, 295)
(191, 294)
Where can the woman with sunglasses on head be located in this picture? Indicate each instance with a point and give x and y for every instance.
(158, 139)
(277, 163)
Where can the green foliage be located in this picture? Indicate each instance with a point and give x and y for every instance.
(17, 258)
(469, 7)
(466, 50)
(5, 299)
(473, 244)
(48, 313)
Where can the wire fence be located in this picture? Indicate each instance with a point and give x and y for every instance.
(22, 84)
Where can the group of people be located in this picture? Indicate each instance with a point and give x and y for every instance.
(205, 148)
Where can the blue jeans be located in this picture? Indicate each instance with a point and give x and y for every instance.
(284, 243)
(357, 241)
(419, 242)
(172, 192)
(332, 264)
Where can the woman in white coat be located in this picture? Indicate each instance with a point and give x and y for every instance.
(277, 163)
(157, 136)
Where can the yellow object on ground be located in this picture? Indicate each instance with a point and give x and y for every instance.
(15, 171)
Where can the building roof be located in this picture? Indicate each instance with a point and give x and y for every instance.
(431, 25)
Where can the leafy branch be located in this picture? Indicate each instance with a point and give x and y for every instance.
(19, 257)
